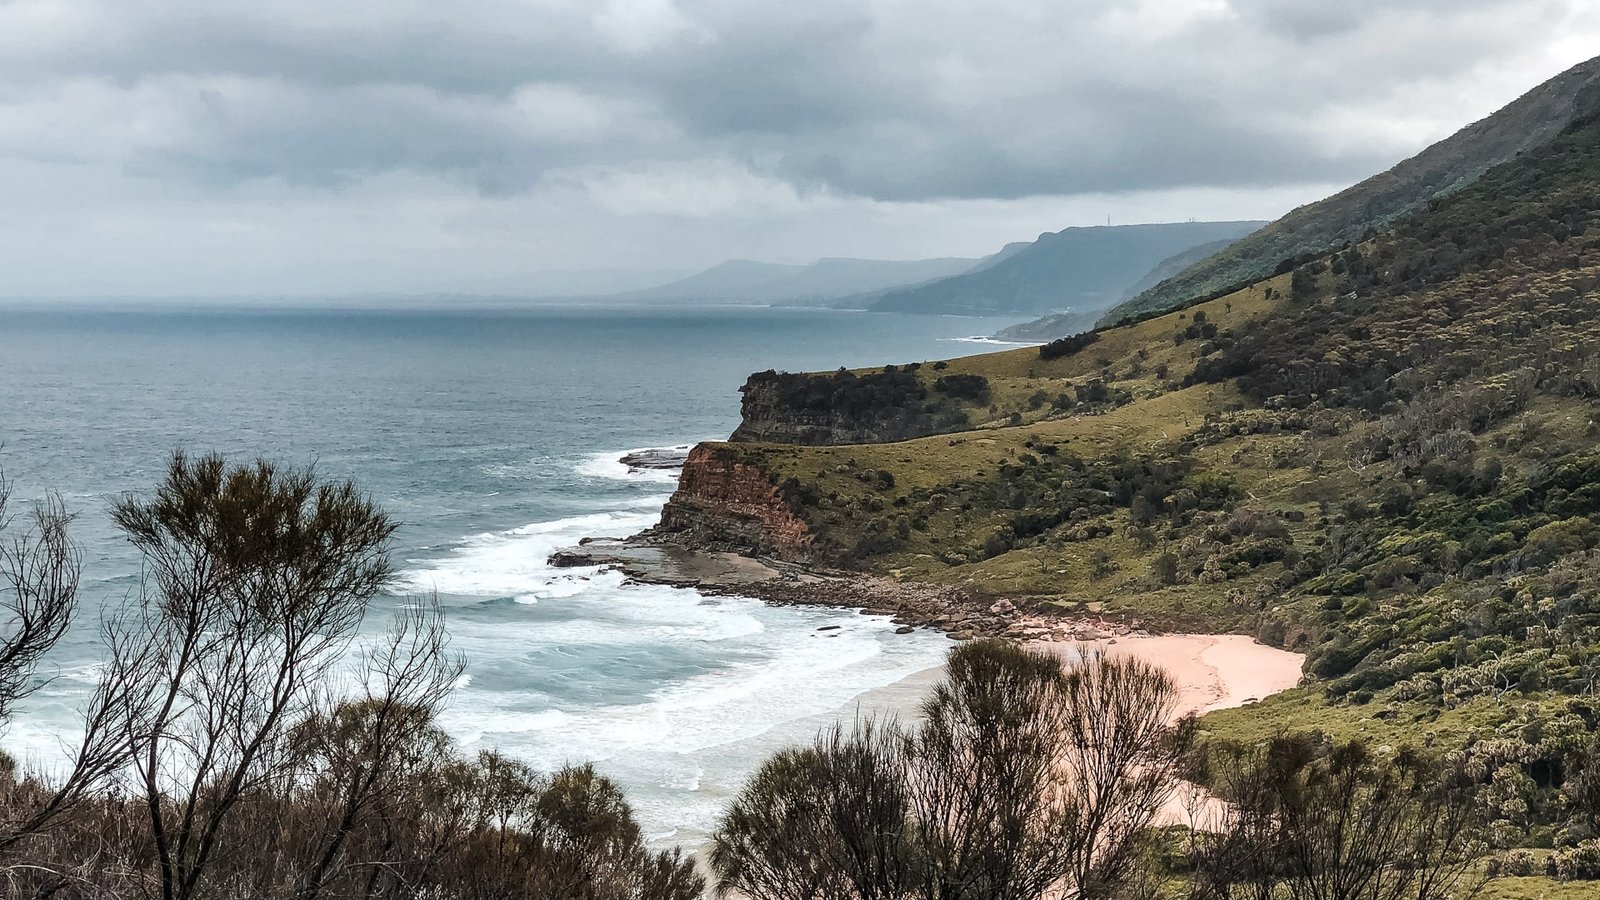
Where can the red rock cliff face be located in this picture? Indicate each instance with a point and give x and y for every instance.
(724, 504)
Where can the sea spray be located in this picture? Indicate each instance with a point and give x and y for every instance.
(677, 695)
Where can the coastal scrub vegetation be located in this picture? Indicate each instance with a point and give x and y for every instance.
(237, 747)
(893, 403)
(1382, 456)
(1021, 776)
(241, 744)
(1068, 345)
(1525, 127)
(1028, 778)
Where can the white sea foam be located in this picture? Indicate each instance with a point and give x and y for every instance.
(686, 749)
(609, 466)
(986, 339)
(677, 695)
(789, 671)
(514, 563)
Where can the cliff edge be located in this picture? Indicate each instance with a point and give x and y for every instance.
(724, 503)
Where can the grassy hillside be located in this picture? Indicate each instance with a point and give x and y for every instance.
(1530, 122)
(1385, 457)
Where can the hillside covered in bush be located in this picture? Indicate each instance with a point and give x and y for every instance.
(1526, 125)
(1383, 457)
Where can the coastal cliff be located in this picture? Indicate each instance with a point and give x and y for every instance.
(724, 503)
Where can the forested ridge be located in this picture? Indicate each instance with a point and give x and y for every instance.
(1524, 126)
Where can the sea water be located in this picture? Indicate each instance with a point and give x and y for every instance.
(493, 436)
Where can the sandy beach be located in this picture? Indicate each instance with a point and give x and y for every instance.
(1213, 671)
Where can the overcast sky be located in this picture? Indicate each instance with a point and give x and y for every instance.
(281, 146)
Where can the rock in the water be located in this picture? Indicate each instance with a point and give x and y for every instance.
(570, 559)
(905, 629)
(663, 458)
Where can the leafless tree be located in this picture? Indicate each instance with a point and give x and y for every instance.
(1125, 749)
(39, 573)
(370, 747)
(992, 820)
(39, 570)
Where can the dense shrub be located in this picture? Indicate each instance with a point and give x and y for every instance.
(1580, 863)
(843, 392)
(971, 388)
(1068, 345)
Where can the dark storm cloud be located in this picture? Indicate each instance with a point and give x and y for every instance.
(1308, 22)
(894, 101)
(1129, 140)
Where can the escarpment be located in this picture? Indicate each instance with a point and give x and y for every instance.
(724, 503)
(844, 408)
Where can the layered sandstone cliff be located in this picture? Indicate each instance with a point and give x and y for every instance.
(725, 504)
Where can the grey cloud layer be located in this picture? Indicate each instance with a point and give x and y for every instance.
(884, 100)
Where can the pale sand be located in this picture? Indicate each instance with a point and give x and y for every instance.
(1213, 671)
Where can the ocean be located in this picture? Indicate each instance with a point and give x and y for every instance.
(493, 437)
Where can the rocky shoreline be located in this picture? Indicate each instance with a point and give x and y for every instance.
(650, 558)
(910, 605)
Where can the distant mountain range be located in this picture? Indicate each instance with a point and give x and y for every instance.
(826, 279)
(1532, 121)
(1058, 324)
(1075, 269)
(1083, 270)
